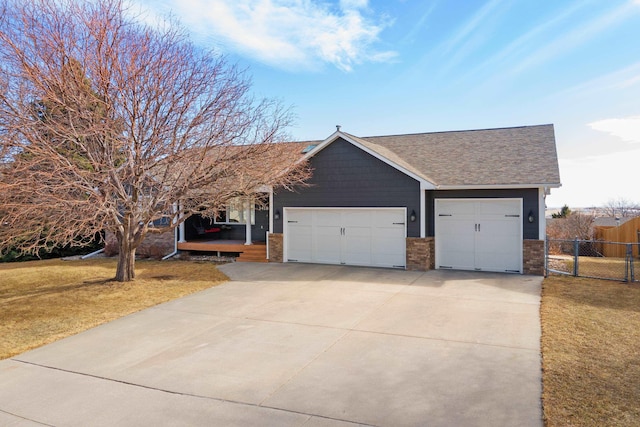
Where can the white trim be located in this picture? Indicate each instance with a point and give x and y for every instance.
(542, 220)
(247, 226)
(267, 236)
(436, 202)
(423, 182)
(495, 186)
(271, 210)
(181, 226)
(423, 214)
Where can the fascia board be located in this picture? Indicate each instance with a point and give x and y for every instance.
(497, 186)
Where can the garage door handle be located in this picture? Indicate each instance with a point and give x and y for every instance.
(290, 222)
(445, 215)
(512, 216)
(398, 223)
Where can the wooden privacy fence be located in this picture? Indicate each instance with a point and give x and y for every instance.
(629, 232)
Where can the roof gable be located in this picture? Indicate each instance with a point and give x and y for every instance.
(378, 152)
(506, 157)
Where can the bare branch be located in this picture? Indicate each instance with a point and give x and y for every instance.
(106, 123)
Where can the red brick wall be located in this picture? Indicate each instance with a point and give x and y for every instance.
(421, 253)
(533, 257)
(275, 247)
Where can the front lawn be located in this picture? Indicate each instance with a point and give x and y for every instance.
(43, 301)
(591, 352)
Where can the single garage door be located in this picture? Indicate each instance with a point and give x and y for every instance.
(479, 234)
(350, 236)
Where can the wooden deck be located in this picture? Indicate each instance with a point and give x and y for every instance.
(256, 252)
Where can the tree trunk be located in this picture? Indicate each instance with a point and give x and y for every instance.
(125, 272)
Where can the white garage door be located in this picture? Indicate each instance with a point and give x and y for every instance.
(351, 236)
(479, 234)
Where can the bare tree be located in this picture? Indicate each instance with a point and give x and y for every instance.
(110, 124)
(576, 225)
(621, 208)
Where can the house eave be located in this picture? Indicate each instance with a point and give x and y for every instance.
(497, 186)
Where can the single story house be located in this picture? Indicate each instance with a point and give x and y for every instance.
(469, 200)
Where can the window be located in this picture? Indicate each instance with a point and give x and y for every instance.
(235, 213)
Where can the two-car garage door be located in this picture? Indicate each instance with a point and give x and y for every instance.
(351, 236)
(470, 234)
(479, 234)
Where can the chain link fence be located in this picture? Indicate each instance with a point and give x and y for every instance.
(593, 258)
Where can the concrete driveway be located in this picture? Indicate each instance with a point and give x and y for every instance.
(299, 345)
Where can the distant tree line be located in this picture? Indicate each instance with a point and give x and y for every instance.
(572, 224)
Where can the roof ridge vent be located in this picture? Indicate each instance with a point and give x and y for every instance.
(338, 128)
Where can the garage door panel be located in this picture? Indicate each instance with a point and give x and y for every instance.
(455, 235)
(328, 218)
(499, 249)
(479, 234)
(357, 255)
(497, 208)
(327, 239)
(389, 243)
(451, 207)
(300, 248)
(390, 218)
(354, 236)
(357, 242)
(357, 218)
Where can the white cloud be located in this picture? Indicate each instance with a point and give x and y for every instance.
(465, 32)
(577, 36)
(626, 128)
(289, 34)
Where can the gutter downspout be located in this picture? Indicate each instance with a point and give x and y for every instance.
(175, 235)
(92, 254)
(175, 245)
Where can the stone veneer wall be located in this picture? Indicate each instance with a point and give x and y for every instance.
(421, 253)
(153, 246)
(275, 247)
(533, 257)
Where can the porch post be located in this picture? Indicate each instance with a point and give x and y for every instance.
(423, 213)
(247, 216)
(542, 221)
(181, 226)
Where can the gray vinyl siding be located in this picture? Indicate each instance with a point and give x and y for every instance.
(345, 176)
(529, 198)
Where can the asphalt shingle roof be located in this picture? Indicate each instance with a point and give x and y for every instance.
(505, 156)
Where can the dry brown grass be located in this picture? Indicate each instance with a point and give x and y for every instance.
(43, 301)
(607, 268)
(591, 352)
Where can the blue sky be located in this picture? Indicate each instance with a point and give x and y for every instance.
(382, 67)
